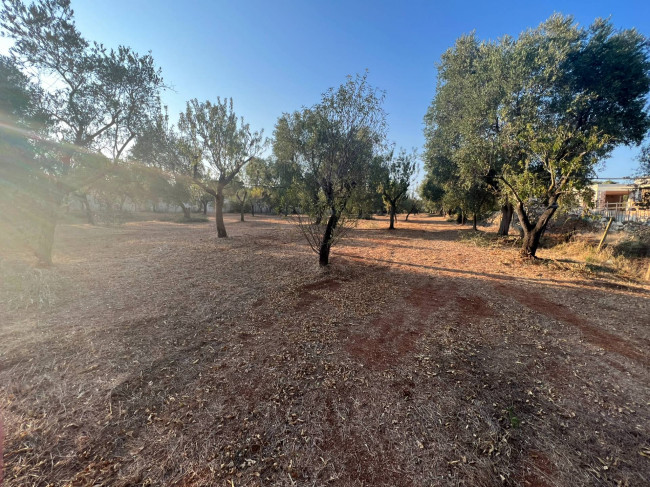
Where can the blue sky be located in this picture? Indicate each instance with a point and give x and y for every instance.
(274, 57)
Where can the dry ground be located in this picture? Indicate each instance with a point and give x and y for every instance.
(155, 354)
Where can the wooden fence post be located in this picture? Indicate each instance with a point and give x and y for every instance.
(602, 240)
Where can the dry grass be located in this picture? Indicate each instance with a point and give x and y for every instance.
(24, 286)
(624, 255)
(172, 358)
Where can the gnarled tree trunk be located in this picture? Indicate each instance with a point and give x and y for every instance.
(326, 243)
(186, 211)
(533, 232)
(506, 219)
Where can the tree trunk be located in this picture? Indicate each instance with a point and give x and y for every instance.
(530, 243)
(506, 219)
(252, 209)
(326, 244)
(392, 217)
(86, 204)
(218, 203)
(205, 207)
(242, 203)
(533, 233)
(474, 221)
(186, 212)
(46, 240)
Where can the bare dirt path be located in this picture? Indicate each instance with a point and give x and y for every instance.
(171, 358)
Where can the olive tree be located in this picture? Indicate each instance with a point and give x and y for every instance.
(398, 171)
(95, 99)
(463, 126)
(172, 161)
(227, 144)
(335, 142)
(529, 119)
(578, 93)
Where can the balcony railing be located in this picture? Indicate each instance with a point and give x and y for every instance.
(622, 213)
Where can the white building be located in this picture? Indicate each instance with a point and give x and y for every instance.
(623, 201)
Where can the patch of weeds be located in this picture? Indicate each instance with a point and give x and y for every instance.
(484, 239)
(515, 422)
(480, 239)
(596, 268)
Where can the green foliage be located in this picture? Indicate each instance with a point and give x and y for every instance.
(396, 178)
(225, 141)
(431, 194)
(366, 199)
(411, 205)
(168, 163)
(94, 99)
(529, 119)
(463, 126)
(226, 144)
(514, 421)
(100, 97)
(19, 97)
(160, 145)
(396, 174)
(578, 93)
(334, 143)
(267, 183)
